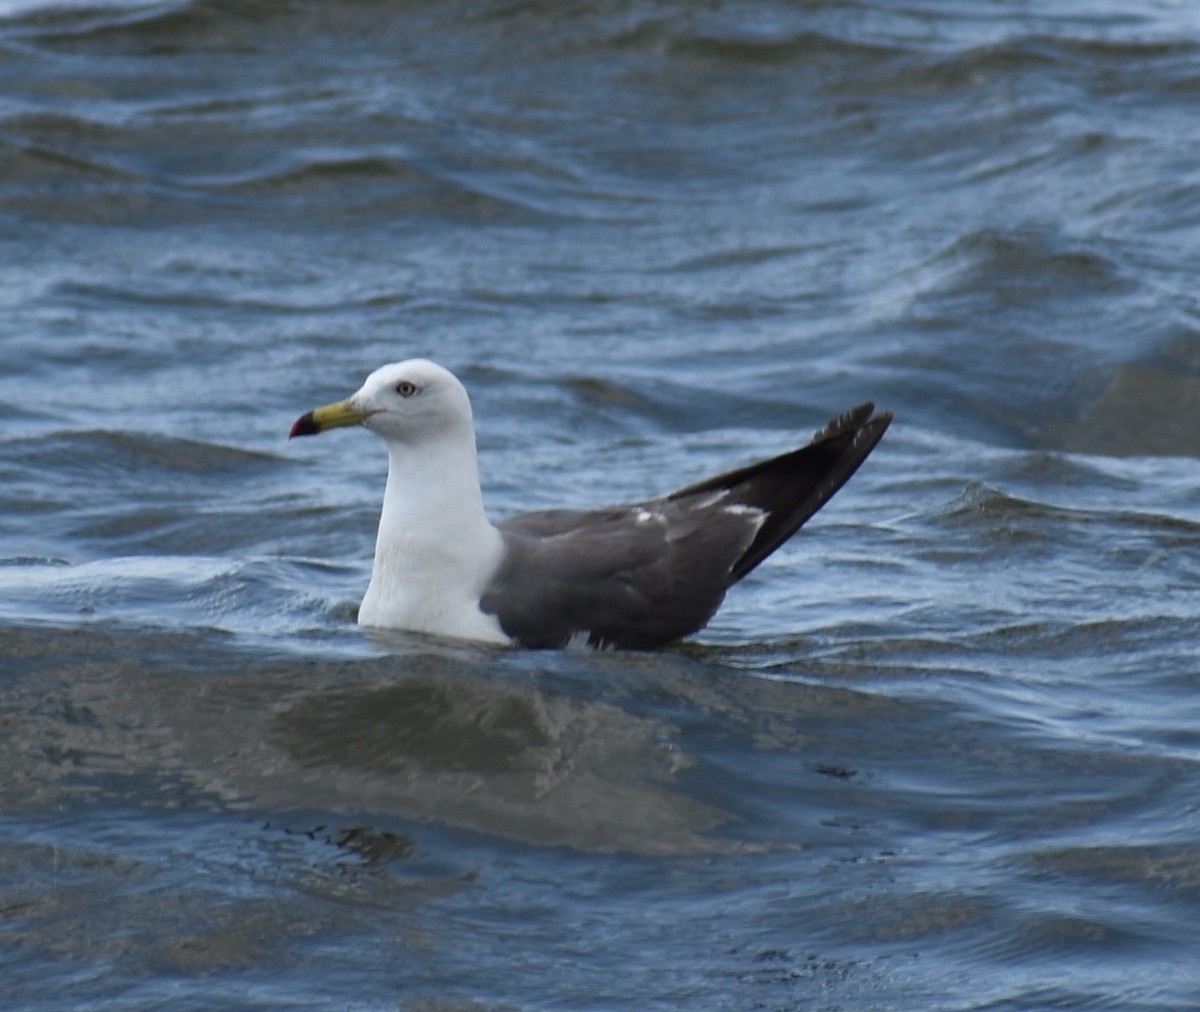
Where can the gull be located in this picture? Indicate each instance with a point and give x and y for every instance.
(634, 576)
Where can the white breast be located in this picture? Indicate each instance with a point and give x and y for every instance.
(434, 586)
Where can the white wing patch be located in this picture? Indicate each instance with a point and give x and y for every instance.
(756, 516)
(578, 640)
(581, 640)
(710, 500)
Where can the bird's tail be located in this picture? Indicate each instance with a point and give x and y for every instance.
(790, 488)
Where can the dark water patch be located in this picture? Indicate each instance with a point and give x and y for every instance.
(100, 167)
(341, 187)
(1171, 872)
(419, 735)
(58, 129)
(1090, 149)
(228, 293)
(1002, 523)
(1167, 204)
(636, 404)
(1059, 471)
(1054, 937)
(1037, 61)
(993, 502)
(60, 741)
(133, 452)
(915, 916)
(168, 531)
(738, 45)
(1074, 639)
(254, 598)
(932, 74)
(74, 644)
(591, 740)
(1127, 68)
(1023, 264)
(1017, 310)
(734, 258)
(1057, 996)
(154, 29)
(488, 756)
(1005, 512)
(39, 169)
(272, 106)
(1181, 351)
(1143, 410)
(426, 726)
(295, 899)
(180, 297)
(373, 846)
(310, 171)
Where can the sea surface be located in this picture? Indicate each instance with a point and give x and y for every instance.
(942, 751)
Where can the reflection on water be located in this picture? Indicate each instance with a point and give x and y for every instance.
(416, 735)
(461, 747)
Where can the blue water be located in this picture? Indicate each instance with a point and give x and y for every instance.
(941, 751)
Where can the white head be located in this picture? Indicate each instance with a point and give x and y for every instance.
(409, 403)
(436, 550)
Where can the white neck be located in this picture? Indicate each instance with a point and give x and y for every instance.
(435, 551)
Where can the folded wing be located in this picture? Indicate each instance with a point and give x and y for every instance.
(642, 575)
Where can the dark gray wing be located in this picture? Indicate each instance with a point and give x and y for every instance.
(643, 575)
(633, 577)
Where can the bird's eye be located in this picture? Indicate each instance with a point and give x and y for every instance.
(406, 389)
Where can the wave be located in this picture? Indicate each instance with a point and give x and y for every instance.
(104, 452)
(39, 9)
(128, 26)
(739, 44)
(117, 173)
(1040, 261)
(386, 184)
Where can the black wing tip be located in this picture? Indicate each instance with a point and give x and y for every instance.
(830, 460)
(865, 428)
(874, 427)
(861, 416)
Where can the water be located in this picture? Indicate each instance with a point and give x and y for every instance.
(939, 752)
